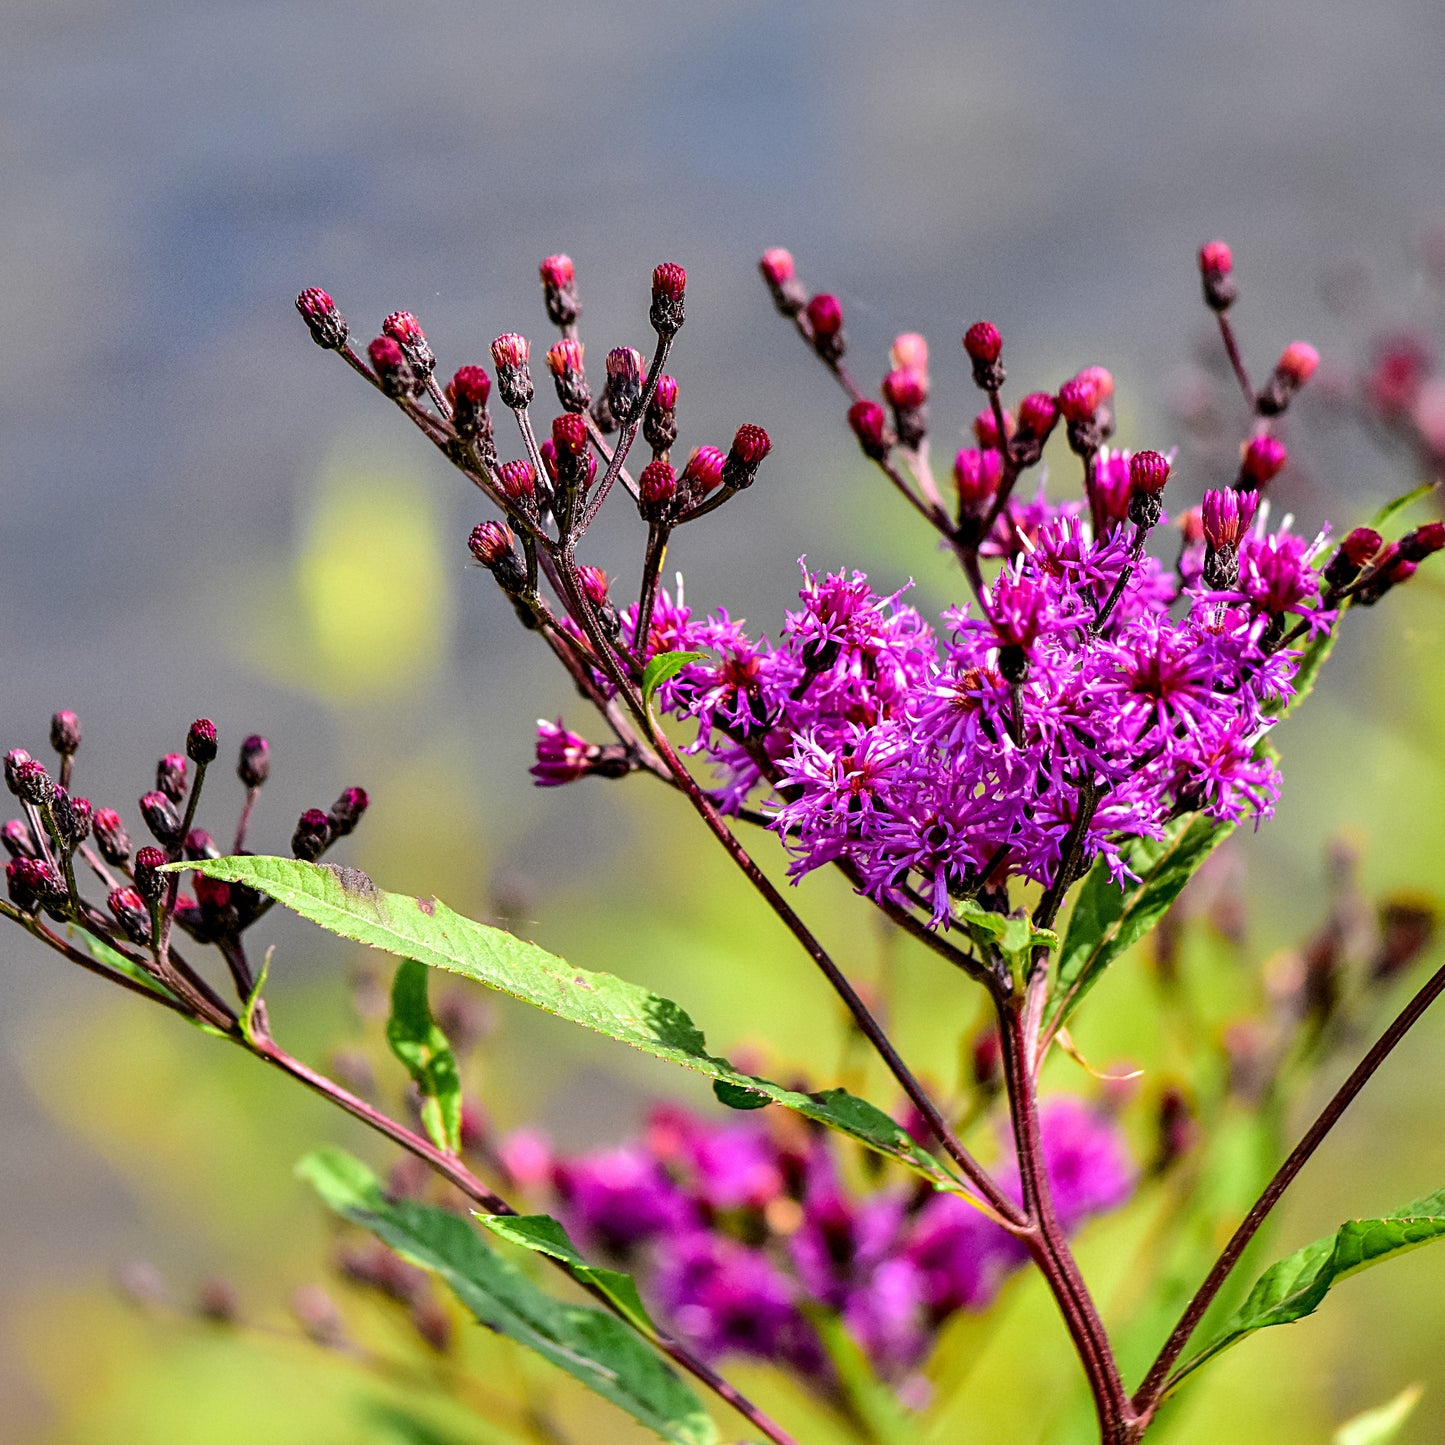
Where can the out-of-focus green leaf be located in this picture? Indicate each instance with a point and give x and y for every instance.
(1295, 1286)
(418, 1041)
(544, 1235)
(663, 668)
(102, 952)
(593, 1347)
(1108, 920)
(1382, 1424)
(344, 901)
(1391, 510)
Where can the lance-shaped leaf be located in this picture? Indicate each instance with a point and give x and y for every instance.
(596, 1348)
(1107, 920)
(1382, 1424)
(418, 1041)
(1294, 1287)
(663, 668)
(344, 901)
(544, 1235)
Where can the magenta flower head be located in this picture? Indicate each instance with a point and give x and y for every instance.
(564, 361)
(703, 472)
(201, 741)
(562, 756)
(1216, 271)
(664, 395)
(782, 281)
(870, 426)
(624, 382)
(1148, 473)
(65, 733)
(656, 491)
(1263, 459)
(669, 292)
(740, 467)
(517, 481)
(559, 290)
(467, 394)
(594, 584)
(825, 319)
(1225, 517)
(405, 330)
(984, 347)
(393, 371)
(495, 547)
(511, 354)
(327, 325)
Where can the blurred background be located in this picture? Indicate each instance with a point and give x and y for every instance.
(205, 515)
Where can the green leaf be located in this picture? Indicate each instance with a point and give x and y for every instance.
(1014, 936)
(1391, 510)
(418, 1041)
(1382, 1424)
(248, 1014)
(344, 901)
(112, 958)
(663, 668)
(1296, 1285)
(589, 1345)
(738, 1098)
(1107, 920)
(544, 1235)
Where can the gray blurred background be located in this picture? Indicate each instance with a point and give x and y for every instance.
(192, 491)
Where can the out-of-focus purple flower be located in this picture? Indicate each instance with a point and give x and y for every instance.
(1088, 1164)
(619, 1199)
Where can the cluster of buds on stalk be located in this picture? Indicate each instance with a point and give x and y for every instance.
(549, 496)
(61, 839)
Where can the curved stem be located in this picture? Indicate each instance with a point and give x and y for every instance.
(1152, 1390)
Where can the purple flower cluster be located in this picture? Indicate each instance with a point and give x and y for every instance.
(1088, 688)
(741, 1230)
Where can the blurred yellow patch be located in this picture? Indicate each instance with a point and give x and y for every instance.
(372, 601)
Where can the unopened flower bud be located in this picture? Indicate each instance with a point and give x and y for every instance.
(825, 320)
(32, 784)
(563, 757)
(976, 475)
(13, 760)
(985, 427)
(313, 833)
(201, 741)
(1296, 364)
(1357, 549)
(783, 284)
(171, 776)
(703, 472)
(517, 481)
(656, 490)
(467, 392)
(494, 546)
(909, 352)
(659, 425)
(405, 330)
(984, 346)
(559, 290)
(161, 818)
(1148, 472)
(1262, 460)
(624, 383)
(72, 818)
(198, 845)
(1079, 400)
(129, 910)
(564, 361)
(905, 389)
(328, 325)
(1038, 414)
(65, 733)
(150, 882)
(669, 291)
(254, 766)
(870, 426)
(1216, 271)
(745, 456)
(511, 354)
(111, 837)
(346, 811)
(1225, 518)
(34, 885)
(18, 840)
(392, 369)
(1423, 542)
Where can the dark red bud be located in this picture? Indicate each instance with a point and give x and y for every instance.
(161, 818)
(198, 845)
(1079, 400)
(213, 894)
(65, 733)
(1148, 472)
(870, 426)
(983, 343)
(201, 741)
(328, 325)
(745, 456)
(129, 910)
(569, 433)
(31, 783)
(511, 353)
(656, 490)
(905, 389)
(346, 811)
(33, 884)
(392, 369)
(825, 314)
(559, 290)
(1038, 414)
(1361, 545)
(171, 776)
(313, 833)
(254, 766)
(149, 881)
(18, 840)
(517, 480)
(471, 385)
(404, 329)
(1423, 542)
(110, 836)
(1264, 457)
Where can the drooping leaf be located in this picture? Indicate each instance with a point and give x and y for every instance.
(418, 1041)
(112, 958)
(1391, 510)
(663, 668)
(593, 1347)
(1107, 920)
(344, 901)
(1382, 1424)
(1295, 1286)
(544, 1235)
(733, 1097)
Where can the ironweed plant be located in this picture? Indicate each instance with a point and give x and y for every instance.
(1026, 787)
